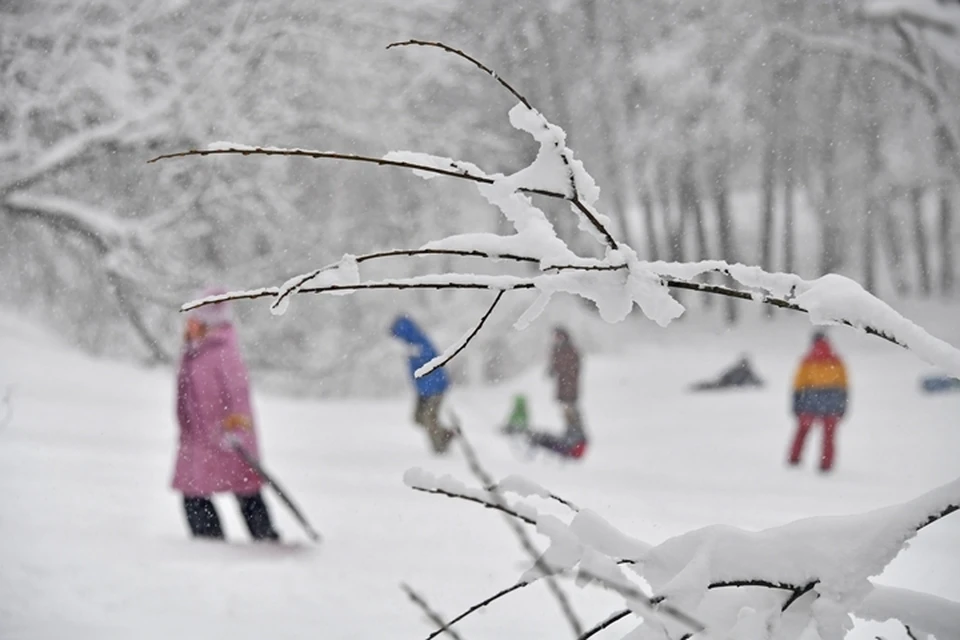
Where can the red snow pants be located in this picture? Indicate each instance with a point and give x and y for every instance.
(804, 423)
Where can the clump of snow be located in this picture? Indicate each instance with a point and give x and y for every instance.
(833, 298)
(436, 162)
(223, 145)
(599, 534)
(522, 486)
(346, 272)
(924, 613)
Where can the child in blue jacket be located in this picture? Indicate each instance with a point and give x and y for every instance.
(430, 388)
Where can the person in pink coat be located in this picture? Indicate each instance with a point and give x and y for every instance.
(214, 412)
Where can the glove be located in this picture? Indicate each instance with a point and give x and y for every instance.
(236, 422)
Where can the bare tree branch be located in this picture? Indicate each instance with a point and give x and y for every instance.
(473, 462)
(502, 507)
(433, 615)
(600, 626)
(550, 495)
(574, 196)
(476, 282)
(349, 157)
(457, 52)
(658, 605)
(435, 364)
(478, 606)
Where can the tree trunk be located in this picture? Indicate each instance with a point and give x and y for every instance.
(945, 213)
(831, 234)
(873, 211)
(921, 247)
(725, 231)
(673, 222)
(768, 206)
(691, 206)
(789, 192)
(893, 244)
(946, 244)
(649, 220)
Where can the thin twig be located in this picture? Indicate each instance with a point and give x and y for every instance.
(909, 631)
(673, 283)
(463, 345)
(457, 52)
(430, 613)
(574, 196)
(950, 508)
(473, 462)
(658, 605)
(503, 508)
(619, 615)
(480, 605)
(350, 157)
(798, 593)
(551, 496)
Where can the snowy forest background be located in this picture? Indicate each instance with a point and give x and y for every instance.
(802, 137)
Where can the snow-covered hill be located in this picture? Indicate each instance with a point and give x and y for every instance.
(92, 542)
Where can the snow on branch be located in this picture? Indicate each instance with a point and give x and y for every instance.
(616, 283)
(541, 565)
(925, 14)
(451, 352)
(920, 611)
(822, 564)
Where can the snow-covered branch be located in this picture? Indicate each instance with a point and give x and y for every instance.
(541, 566)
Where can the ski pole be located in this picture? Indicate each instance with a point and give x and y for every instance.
(258, 468)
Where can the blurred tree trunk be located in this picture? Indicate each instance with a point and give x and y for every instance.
(769, 203)
(921, 247)
(893, 243)
(945, 214)
(649, 219)
(831, 233)
(874, 209)
(690, 204)
(673, 221)
(725, 232)
(789, 223)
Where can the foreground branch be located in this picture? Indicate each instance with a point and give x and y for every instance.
(502, 507)
(620, 615)
(473, 462)
(478, 606)
(430, 613)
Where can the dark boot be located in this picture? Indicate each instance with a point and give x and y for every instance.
(202, 518)
(255, 514)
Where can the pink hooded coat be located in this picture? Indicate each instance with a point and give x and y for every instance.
(212, 384)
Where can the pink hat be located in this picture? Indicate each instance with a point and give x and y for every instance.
(212, 314)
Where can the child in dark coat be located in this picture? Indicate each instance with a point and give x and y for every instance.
(565, 369)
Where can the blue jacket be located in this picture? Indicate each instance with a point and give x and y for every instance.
(429, 385)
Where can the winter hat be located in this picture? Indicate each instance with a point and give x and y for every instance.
(212, 314)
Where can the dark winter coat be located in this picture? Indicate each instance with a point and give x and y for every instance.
(565, 367)
(820, 386)
(434, 383)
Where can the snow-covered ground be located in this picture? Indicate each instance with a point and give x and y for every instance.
(93, 544)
